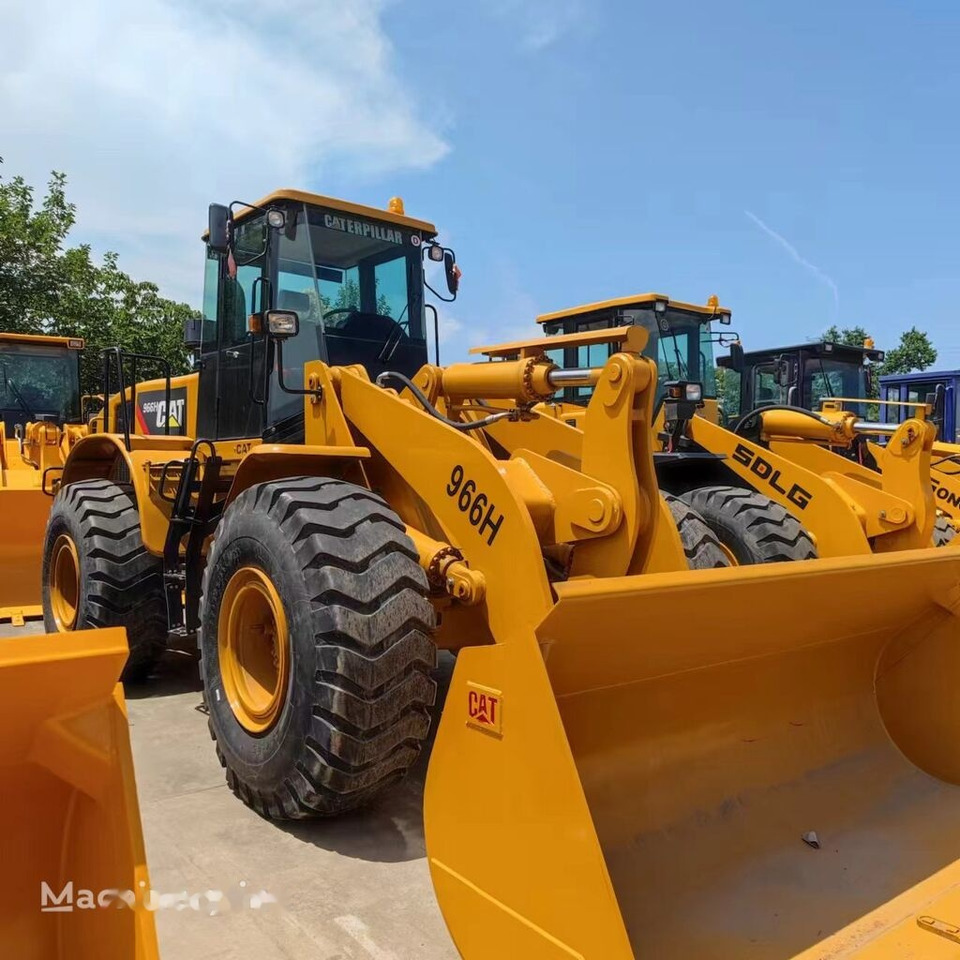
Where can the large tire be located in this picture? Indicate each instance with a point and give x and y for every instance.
(751, 526)
(118, 583)
(943, 532)
(702, 549)
(352, 678)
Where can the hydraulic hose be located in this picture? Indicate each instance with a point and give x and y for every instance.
(434, 412)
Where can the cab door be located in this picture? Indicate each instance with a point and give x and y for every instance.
(241, 355)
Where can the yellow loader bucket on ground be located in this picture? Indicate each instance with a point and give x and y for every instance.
(71, 844)
(24, 509)
(755, 763)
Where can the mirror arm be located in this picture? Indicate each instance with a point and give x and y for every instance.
(316, 392)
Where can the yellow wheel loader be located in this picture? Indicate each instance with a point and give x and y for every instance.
(74, 884)
(40, 420)
(820, 392)
(635, 759)
(763, 503)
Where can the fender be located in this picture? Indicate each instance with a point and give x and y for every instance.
(278, 461)
(103, 456)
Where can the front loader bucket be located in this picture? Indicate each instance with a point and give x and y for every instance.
(746, 763)
(23, 519)
(74, 876)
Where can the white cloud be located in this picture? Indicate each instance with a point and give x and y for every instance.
(795, 255)
(154, 109)
(540, 23)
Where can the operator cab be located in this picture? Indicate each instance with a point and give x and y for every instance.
(299, 277)
(681, 339)
(798, 376)
(39, 380)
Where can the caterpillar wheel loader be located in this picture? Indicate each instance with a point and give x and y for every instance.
(351, 271)
(74, 884)
(762, 502)
(603, 784)
(40, 420)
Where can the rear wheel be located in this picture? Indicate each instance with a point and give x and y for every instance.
(316, 647)
(751, 526)
(702, 549)
(98, 573)
(943, 532)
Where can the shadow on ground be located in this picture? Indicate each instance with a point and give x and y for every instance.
(178, 672)
(389, 831)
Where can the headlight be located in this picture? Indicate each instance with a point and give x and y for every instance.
(283, 323)
(694, 392)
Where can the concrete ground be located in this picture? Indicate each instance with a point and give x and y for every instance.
(352, 888)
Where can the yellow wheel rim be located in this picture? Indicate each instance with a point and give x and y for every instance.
(731, 556)
(252, 644)
(64, 583)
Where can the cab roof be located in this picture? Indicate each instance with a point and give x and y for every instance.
(357, 209)
(71, 343)
(637, 300)
(817, 347)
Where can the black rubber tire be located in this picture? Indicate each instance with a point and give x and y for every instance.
(701, 547)
(121, 584)
(360, 648)
(751, 526)
(943, 532)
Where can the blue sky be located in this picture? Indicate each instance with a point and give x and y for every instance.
(798, 160)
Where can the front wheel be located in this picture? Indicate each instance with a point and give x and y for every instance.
(98, 573)
(943, 532)
(701, 548)
(751, 526)
(316, 648)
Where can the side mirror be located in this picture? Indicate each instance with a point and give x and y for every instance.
(218, 228)
(784, 375)
(282, 324)
(737, 361)
(452, 271)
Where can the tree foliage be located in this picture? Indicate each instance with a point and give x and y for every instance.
(914, 352)
(48, 287)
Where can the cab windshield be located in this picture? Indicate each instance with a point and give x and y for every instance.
(38, 381)
(832, 378)
(357, 286)
(680, 344)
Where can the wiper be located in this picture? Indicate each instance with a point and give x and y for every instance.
(15, 390)
(383, 356)
(681, 366)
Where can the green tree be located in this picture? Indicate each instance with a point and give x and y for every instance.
(852, 336)
(914, 352)
(47, 287)
(728, 394)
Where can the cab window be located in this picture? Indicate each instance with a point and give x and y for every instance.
(766, 390)
(242, 286)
